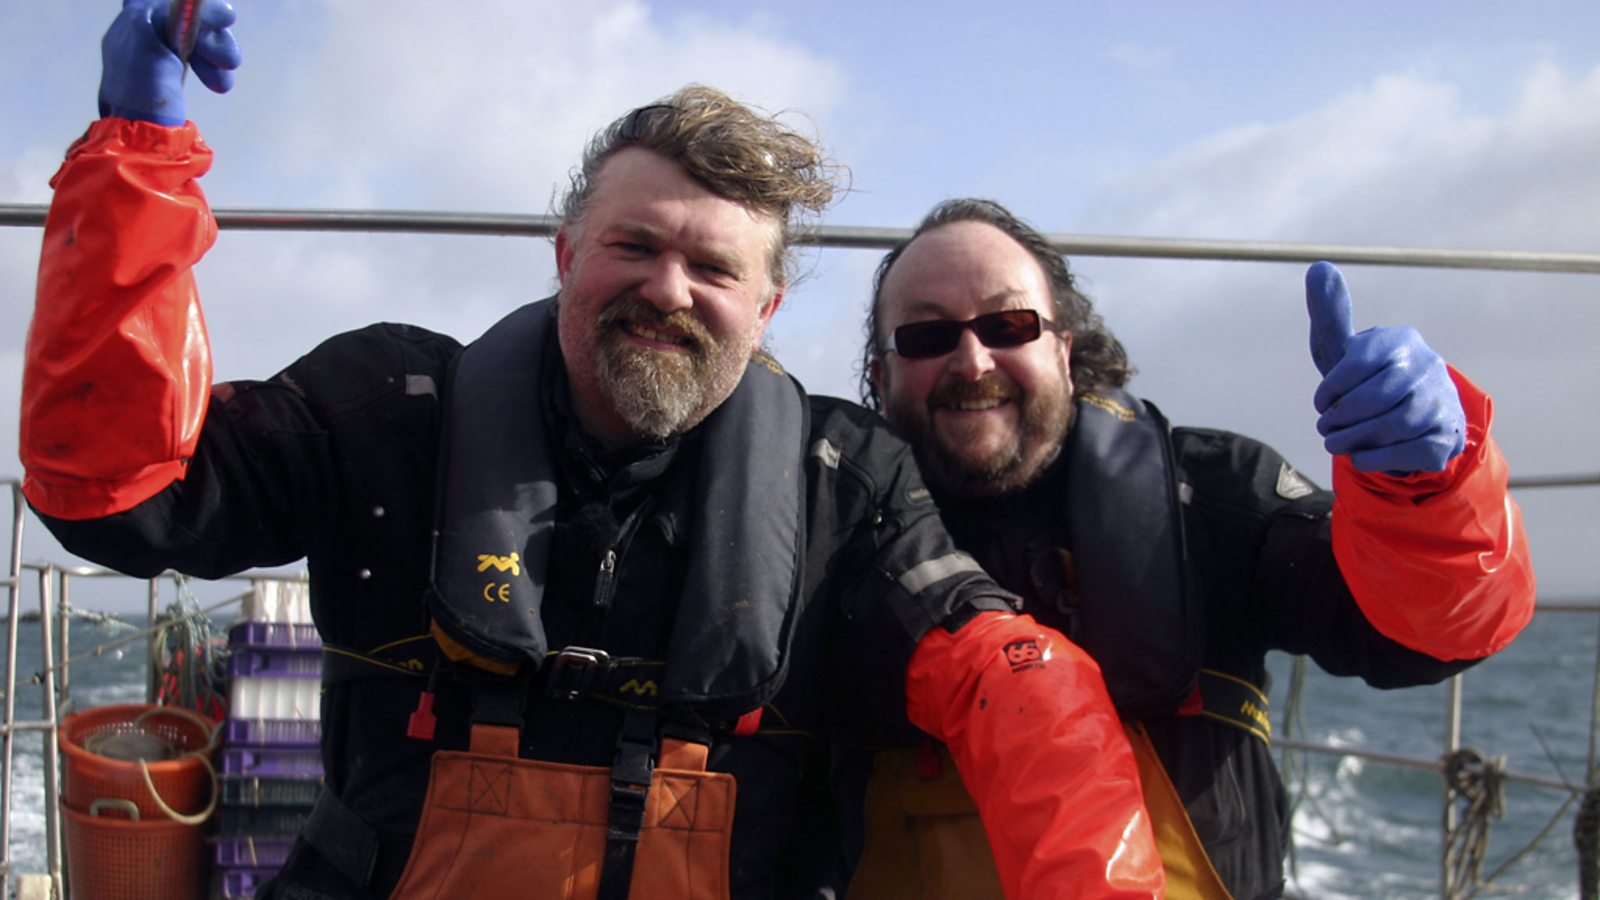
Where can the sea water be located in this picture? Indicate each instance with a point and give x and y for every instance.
(1362, 829)
(1366, 829)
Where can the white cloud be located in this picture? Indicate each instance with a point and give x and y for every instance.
(26, 179)
(1139, 57)
(1403, 160)
(486, 106)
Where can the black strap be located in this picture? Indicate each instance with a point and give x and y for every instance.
(630, 791)
(416, 657)
(351, 846)
(582, 673)
(499, 702)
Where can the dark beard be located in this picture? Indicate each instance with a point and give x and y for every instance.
(1044, 421)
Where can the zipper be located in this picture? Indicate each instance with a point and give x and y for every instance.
(606, 578)
(605, 583)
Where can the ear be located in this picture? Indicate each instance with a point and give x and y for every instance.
(564, 249)
(764, 316)
(876, 372)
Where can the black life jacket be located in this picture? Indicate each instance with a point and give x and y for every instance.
(729, 647)
(1129, 598)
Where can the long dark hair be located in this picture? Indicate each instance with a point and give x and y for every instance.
(1098, 358)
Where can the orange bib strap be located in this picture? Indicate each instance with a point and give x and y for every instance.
(495, 740)
(684, 755)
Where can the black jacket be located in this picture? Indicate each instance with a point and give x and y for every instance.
(334, 460)
(1261, 577)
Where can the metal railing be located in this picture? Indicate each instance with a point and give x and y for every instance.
(859, 238)
(844, 237)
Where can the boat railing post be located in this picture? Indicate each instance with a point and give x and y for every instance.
(152, 681)
(64, 679)
(1452, 742)
(13, 608)
(52, 725)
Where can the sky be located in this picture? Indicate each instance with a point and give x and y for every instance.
(1468, 124)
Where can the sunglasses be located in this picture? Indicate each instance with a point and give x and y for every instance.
(996, 330)
(643, 121)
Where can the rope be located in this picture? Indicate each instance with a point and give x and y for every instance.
(1474, 790)
(1295, 772)
(213, 732)
(1549, 826)
(193, 669)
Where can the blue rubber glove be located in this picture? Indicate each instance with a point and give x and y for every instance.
(1386, 399)
(142, 78)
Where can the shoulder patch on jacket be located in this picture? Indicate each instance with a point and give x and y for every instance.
(1291, 485)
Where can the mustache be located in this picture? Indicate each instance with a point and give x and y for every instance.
(990, 387)
(637, 311)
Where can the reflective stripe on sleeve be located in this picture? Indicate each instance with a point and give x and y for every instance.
(920, 576)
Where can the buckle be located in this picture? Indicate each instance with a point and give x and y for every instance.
(572, 672)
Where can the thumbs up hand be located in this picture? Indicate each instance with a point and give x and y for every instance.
(1386, 399)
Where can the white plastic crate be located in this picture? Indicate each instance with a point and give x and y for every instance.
(274, 698)
(286, 602)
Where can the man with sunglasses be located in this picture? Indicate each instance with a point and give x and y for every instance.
(598, 591)
(1179, 556)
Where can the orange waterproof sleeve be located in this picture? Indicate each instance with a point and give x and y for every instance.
(1438, 561)
(1028, 721)
(117, 368)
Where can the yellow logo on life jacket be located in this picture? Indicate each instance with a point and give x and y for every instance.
(646, 688)
(501, 563)
(1106, 404)
(1257, 715)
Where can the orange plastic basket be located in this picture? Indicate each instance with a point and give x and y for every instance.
(182, 786)
(116, 858)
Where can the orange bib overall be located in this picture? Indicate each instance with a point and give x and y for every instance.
(495, 826)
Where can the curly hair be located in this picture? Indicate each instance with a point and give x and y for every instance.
(737, 152)
(1098, 358)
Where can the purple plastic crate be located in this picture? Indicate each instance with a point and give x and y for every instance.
(259, 821)
(282, 635)
(242, 884)
(274, 732)
(270, 762)
(253, 852)
(251, 791)
(256, 662)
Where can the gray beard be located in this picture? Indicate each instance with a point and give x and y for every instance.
(657, 394)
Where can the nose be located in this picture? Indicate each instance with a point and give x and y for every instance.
(666, 283)
(970, 360)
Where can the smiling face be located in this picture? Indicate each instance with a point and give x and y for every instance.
(983, 421)
(665, 293)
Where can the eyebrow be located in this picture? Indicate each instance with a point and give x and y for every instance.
(996, 301)
(699, 251)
